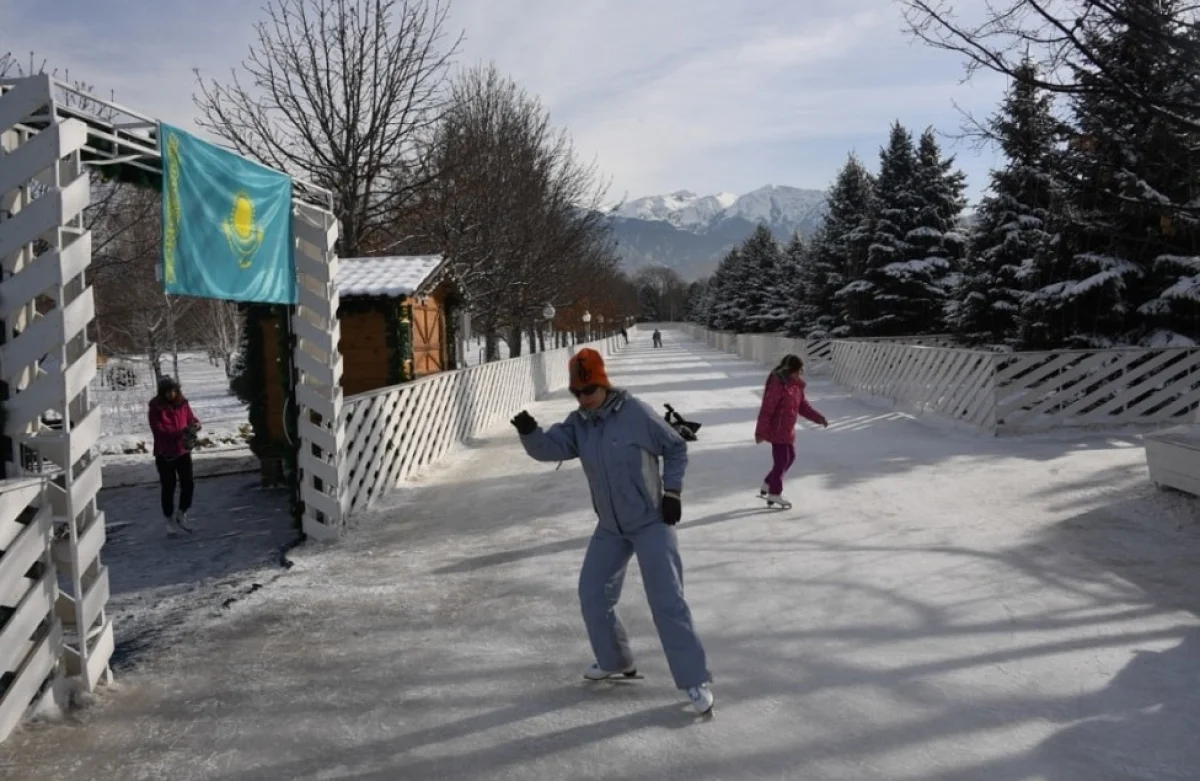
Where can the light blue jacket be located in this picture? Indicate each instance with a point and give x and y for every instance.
(619, 445)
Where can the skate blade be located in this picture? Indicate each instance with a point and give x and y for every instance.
(616, 677)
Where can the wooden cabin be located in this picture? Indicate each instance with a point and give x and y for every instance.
(397, 316)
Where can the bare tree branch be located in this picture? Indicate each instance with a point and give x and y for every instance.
(341, 93)
(1059, 36)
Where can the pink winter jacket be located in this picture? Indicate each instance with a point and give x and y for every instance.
(782, 403)
(168, 422)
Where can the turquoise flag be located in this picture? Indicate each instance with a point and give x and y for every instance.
(227, 223)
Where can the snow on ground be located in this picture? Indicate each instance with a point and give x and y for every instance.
(938, 606)
(125, 427)
(162, 586)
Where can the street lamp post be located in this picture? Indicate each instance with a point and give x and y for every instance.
(548, 312)
(600, 320)
(587, 326)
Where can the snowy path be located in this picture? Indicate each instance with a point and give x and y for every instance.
(938, 606)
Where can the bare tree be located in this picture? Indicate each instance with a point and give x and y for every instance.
(341, 93)
(135, 312)
(511, 205)
(1061, 37)
(217, 326)
(662, 293)
(114, 208)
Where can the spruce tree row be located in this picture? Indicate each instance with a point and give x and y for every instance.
(881, 264)
(1088, 235)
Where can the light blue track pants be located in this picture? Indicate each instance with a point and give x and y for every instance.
(600, 583)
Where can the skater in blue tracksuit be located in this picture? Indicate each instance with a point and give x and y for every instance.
(619, 441)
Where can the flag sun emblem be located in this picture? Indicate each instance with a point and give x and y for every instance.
(241, 230)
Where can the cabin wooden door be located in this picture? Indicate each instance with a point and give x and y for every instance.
(429, 335)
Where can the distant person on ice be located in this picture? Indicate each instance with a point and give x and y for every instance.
(657, 338)
(783, 402)
(625, 335)
(620, 441)
(174, 426)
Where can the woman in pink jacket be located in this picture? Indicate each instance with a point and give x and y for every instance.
(783, 402)
(174, 426)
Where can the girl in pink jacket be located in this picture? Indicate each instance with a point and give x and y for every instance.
(174, 425)
(783, 402)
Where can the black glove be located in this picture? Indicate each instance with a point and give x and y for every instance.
(672, 510)
(525, 423)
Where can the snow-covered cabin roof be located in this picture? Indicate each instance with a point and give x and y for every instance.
(392, 277)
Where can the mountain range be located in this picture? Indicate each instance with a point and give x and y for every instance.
(690, 233)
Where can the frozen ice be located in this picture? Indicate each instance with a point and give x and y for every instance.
(938, 606)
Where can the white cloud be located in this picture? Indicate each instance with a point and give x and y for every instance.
(706, 94)
(664, 93)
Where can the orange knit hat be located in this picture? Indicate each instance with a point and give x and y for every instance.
(587, 368)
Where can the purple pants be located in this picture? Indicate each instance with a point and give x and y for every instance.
(783, 457)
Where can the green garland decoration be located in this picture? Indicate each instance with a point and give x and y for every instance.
(250, 385)
(290, 454)
(451, 333)
(398, 328)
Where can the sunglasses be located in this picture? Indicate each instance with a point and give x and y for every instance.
(587, 390)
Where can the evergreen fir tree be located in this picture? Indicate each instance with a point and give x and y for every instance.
(1121, 269)
(937, 245)
(757, 295)
(892, 296)
(805, 277)
(726, 312)
(697, 301)
(783, 290)
(1012, 225)
(836, 255)
(708, 304)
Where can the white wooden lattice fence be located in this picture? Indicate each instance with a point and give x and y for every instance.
(30, 630)
(955, 383)
(48, 359)
(318, 372)
(393, 431)
(765, 348)
(999, 392)
(1037, 391)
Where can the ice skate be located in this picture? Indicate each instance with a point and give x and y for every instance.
(596, 673)
(173, 529)
(702, 698)
(183, 522)
(777, 499)
(764, 491)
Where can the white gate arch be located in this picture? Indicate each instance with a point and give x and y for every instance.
(47, 144)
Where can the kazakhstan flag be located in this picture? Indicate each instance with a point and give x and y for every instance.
(227, 223)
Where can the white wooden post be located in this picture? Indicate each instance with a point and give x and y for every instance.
(48, 360)
(318, 362)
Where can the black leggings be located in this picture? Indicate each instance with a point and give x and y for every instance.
(171, 470)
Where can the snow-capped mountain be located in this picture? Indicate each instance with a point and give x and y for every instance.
(691, 233)
(682, 209)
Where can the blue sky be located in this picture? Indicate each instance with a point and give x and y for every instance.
(662, 94)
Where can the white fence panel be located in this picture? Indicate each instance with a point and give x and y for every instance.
(998, 392)
(1044, 390)
(31, 634)
(391, 432)
(955, 383)
(318, 374)
(766, 349)
(47, 357)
